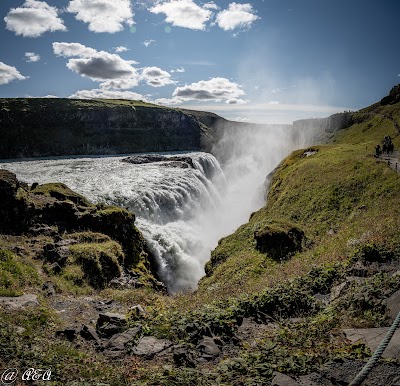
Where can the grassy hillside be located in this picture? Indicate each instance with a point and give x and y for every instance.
(339, 193)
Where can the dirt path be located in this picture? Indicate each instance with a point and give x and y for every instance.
(392, 160)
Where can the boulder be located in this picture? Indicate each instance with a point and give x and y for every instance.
(338, 290)
(372, 338)
(109, 324)
(70, 333)
(149, 346)
(27, 300)
(393, 306)
(89, 333)
(209, 347)
(48, 289)
(119, 344)
(280, 379)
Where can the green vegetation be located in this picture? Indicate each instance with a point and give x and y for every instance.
(60, 191)
(16, 274)
(100, 262)
(34, 104)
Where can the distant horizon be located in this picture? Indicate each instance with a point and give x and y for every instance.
(262, 62)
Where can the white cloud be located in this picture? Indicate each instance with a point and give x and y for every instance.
(210, 5)
(73, 49)
(156, 77)
(168, 101)
(121, 83)
(273, 103)
(9, 73)
(241, 119)
(103, 15)
(148, 42)
(236, 16)
(107, 94)
(217, 89)
(181, 69)
(31, 57)
(121, 49)
(183, 13)
(33, 19)
(98, 65)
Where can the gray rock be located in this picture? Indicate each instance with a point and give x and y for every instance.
(119, 344)
(149, 346)
(343, 372)
(283, 380)
(89, 333)
(125, 281)
(393, 306)
(70, 333)
(183, 356)
(313, 379)
(322, 298)
(337, 290)
(113, 318)
(209, 346)
(137, 312)
(358, 269)
(48, 289)
(109, 324)
(372, 337)
(27, 300)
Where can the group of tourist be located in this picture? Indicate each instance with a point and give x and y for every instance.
(387, 146)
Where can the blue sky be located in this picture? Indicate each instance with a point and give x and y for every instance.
(264, 61)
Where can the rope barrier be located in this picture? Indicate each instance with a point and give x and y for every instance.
(377, 354)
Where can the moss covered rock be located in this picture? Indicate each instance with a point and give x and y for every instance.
(279, 240)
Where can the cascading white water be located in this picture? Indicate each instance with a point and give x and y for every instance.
(166, 200)
(182, 212)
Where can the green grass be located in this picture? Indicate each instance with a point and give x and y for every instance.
(16, 274)
(99, 262)
(27, 104)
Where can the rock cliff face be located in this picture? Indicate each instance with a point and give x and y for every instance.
(49, 127)
(330, 124)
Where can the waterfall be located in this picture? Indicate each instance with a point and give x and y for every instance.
(183, 205)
